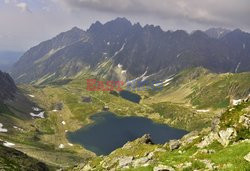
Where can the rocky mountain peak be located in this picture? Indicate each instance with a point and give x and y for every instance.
(116, 26)
(217, 33)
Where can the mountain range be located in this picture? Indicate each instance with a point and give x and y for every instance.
(8, 58)
(135, 50)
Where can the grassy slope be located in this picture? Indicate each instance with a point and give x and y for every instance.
(11, 159)
(197, 89)
(203, 89)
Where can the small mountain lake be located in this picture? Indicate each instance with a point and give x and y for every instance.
(130, 96)
(109, 132)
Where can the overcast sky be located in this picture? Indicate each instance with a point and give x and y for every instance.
(25, 23)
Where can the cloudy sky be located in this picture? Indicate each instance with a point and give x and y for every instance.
(25, 23)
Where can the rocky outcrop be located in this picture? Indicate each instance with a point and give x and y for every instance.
(223, 136)
(226, 135)
(125, 161)
(207, 140)
(189, 138)
(174, 144)
(145, 139)
(245, 120)
(7, 87)
(247, 157)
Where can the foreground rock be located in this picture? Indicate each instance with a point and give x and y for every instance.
(245, 121)
(247, 157)
(226, 135)
(174, 144)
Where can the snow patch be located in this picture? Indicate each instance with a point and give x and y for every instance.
(2, 129)
(244, 46)
(237, 67)
(108, 43)
(39, 115)
(8, 144)
(164, 83)
(36, 109)
(20, 129)
(119, 66)
(63, 122)
(237, 102)
(138, 78)
(144, 78)
(54, 110)
(203, 110)
(119, 51)
(66, 131)
(178, 55)
(31, 95)
(124, 71)
(61, 146)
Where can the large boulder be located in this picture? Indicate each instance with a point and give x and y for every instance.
(225, 136)
(174, 144)
(247, 157)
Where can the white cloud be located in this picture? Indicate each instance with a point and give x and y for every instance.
(6, 1)
(50, 17)
(216, 12)
(23, 7)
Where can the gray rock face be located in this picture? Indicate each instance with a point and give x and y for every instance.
(145, 139)
(174, 144)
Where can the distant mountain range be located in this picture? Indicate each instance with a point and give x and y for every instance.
(217, 32)
(8, 58)
(125, 50)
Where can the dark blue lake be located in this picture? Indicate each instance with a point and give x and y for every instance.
(109, 132)
(130, 96)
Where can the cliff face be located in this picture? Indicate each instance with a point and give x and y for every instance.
(7, 87)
